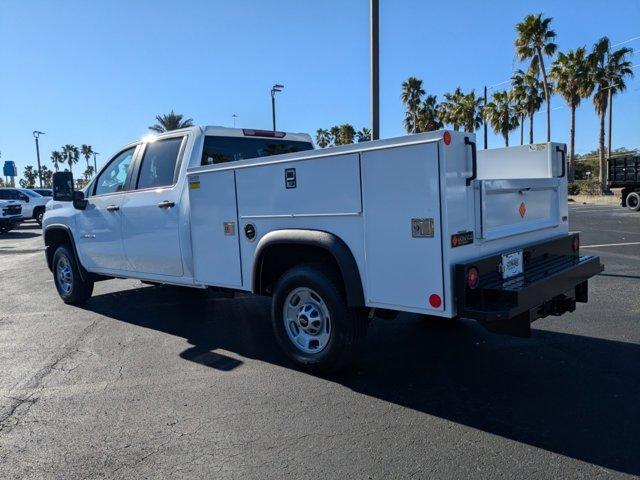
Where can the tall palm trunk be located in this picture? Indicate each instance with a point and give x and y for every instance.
(572, 140)
(602, 162)
(546, 94)
(530, 128)
(521, 129)
(506, 138)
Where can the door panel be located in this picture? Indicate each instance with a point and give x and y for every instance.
(100, 234)
(151, 233)
(404, 267)
(213, 204)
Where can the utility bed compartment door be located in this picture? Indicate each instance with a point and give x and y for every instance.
(214, 228)
(403, 248)
(513, 207)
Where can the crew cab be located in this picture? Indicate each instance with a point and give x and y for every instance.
(421, 223)
(33, 204)
(10, 215)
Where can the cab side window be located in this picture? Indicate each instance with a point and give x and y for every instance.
(158, 167)
(113, 178)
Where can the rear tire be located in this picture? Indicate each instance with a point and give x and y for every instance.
(39, 213)
(312, 321)
(66, 275)
(633, 201)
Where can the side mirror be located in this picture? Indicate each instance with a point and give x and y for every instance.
(62, 184)
(79, 202)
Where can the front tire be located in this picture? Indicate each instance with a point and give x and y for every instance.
(633, 201)
(38, 215)
(66, 275)
(312, 321)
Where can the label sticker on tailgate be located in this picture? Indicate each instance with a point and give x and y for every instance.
(460, 239)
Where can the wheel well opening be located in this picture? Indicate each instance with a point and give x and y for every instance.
(277, 259)
(53, 238)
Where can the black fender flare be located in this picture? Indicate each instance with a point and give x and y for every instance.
(333, 244)
(49, 255)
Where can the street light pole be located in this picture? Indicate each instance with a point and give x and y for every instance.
(37, 134)
(484, 121)
(375, 70)
(275, 89)
(610, 116)
(95, 164)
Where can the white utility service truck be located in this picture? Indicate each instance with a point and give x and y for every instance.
(420, 223)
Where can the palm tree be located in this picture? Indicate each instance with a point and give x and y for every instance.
(411, 96)
(450, 111)
(535, 41)
(428, 118)
(527, 84)
(88, 173)
(56, 159)
(520, 99)
(86, 151)
(170, 121)
(334, 132)
(608, 72)
(323, 137)
(71, 155)
(470, 108)
(364, 135)
(572, 77)
(501, 115)
(347, 133)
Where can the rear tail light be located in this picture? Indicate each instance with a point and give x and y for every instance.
(576, 244)
(262, 133)
(473, 277)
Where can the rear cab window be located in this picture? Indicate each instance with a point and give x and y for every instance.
(159, 166)
(220, 149)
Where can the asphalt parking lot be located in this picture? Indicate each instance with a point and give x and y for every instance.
(151, 382)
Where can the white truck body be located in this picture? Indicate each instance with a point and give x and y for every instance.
(409, 211)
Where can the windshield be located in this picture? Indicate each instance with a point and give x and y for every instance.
(227, 149)
(30, 193)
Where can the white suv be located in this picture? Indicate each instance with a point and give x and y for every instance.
(33, 204)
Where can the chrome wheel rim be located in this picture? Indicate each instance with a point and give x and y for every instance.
(64, 275)
(306, 320)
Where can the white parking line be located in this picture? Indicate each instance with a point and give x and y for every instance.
(609, 245)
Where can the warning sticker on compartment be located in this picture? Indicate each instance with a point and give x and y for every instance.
(194, 182)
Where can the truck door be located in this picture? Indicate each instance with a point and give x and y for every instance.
(151, 210)
(214, 228)
(99, 226)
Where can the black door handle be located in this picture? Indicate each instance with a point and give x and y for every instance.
(564, 161)
(166, 204)
(112, 208)
(474, 160)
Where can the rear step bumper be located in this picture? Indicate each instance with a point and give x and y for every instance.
(554, 279)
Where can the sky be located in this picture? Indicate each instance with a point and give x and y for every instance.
(99, 72)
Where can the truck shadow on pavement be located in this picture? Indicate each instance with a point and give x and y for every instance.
(572, 395)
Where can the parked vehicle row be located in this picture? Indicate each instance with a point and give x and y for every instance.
(32, 201)
(10, 215)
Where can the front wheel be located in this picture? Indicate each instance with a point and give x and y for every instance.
(633, 201)
(312, 321)
(72, 288)
(38, 216)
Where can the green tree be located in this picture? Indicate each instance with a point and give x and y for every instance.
(501, 115)
(88, 173)
(428, 118)
(87, 152)
(323, 137)
(170, 121)
(347, 134)
(450, 111)
(334, 132)
(47, 175)
(411, 96)
(56, 159)
(520, 100)
(71, 155)
(363, 135)
(470, 111)
(572, 77)
(535, 41)
(30, 176)
(528, 85)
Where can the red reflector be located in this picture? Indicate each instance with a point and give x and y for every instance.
(473, 277)
(447, 138)
(576, 243)
(435, 301)
(262, 133)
